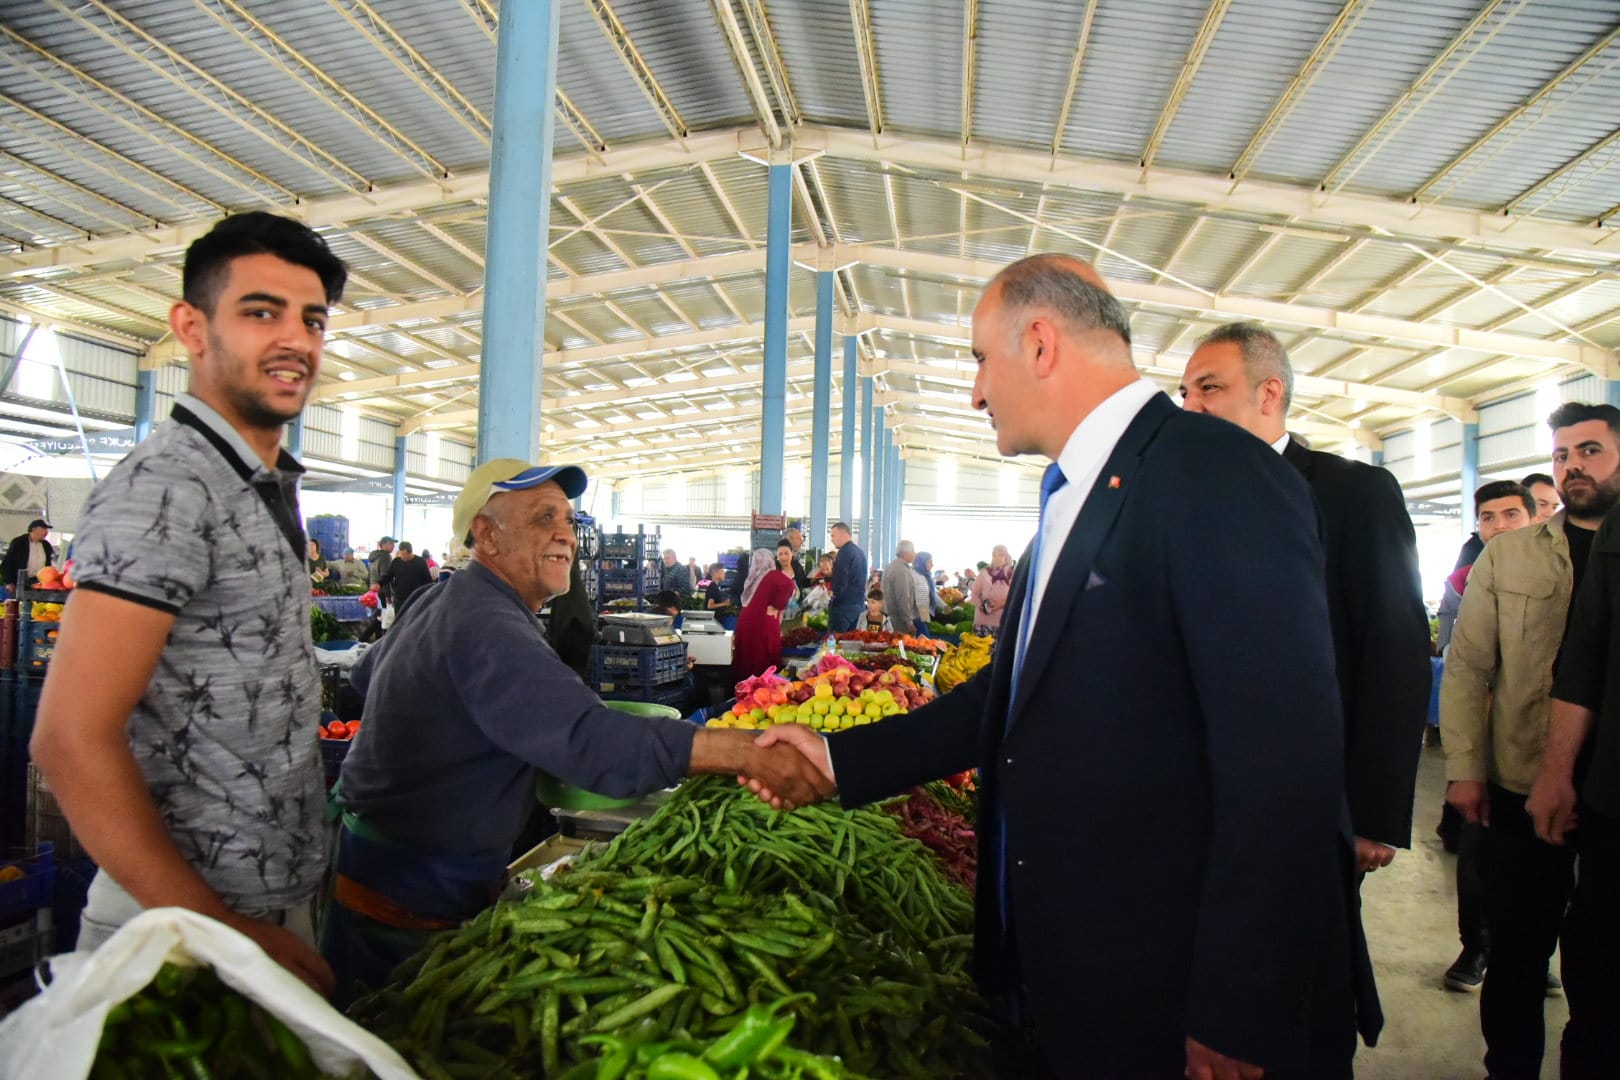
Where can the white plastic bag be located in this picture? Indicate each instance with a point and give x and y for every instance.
(56, 1034)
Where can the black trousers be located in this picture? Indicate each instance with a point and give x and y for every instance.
(1527, 887)
(1471, 928)
(1591, 1045)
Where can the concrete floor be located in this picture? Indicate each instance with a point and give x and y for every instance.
(1410, 911)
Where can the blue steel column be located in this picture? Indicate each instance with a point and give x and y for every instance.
(145, 402)
(295, 436)
(1611, 392)
(846, 460)
(880, 475)
(1470, 476)
(868, 469)
(519, 231)
(821, 425)
(897, 494)
(401, 459)
(773, 410)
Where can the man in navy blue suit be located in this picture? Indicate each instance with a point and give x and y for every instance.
(1166, 882)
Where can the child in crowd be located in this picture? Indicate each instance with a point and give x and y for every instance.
(875, 619)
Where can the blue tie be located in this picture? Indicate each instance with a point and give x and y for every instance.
(1050, 483)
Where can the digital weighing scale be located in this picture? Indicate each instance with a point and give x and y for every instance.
(638, 628)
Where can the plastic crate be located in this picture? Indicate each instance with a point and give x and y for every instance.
(677, 695)
(36, 643)
(333, 753)
(24, 944)
(617, 584)
(626, 667)
(33, 890)
(46, 822)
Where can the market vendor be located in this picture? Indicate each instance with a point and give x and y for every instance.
(465, 703)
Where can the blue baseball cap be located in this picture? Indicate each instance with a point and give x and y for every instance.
(510, 474)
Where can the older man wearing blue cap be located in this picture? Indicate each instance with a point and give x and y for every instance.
(465, 703)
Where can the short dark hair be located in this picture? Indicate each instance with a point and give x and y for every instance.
(667, 598)
(1504, 489)
(875, 594)
(1578, 412)
(1049, 280)
(839, 525)
(1263, 355)
(405, 545)
(1538, 478)
(256, 233)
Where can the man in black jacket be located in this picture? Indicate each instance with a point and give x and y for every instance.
(1241, 373)
(405, 574)
(1162, 704)
(30, 552)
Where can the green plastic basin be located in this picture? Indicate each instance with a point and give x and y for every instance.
(553, 792)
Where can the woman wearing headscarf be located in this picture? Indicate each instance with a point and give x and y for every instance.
(928, 597)
(990, 591)
(757, 643)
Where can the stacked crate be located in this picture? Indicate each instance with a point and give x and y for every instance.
(626, 567)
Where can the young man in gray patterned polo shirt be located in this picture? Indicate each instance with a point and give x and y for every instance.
(178, 722)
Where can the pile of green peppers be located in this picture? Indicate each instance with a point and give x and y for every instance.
(536, 986)
(715, 831)
(188, 1024)
(755, 1048)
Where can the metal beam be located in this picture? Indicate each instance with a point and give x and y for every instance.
(1479, 33)
(80, 140)
(1184, 79)
(386, 200)
(436, 85)
(1298, 203)
(613, 350)
(319, 73)
(265, 119)
(860, 17)
(1543, 102)
(738, 47)
(1560, 182)
(608, 20)
(1335, 35)
(1073, 86)
(970, 42)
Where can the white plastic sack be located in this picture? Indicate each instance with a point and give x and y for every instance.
(56, 1034)
(345, 658)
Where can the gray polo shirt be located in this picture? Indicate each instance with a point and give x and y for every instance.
(192, 523)
(465, 699)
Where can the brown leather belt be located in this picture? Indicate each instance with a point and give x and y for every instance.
(355, 897)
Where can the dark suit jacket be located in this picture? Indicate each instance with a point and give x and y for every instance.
(1169, 780)
(1380, 636)
(16, 560)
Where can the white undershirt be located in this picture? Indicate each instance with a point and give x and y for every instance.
(1281, 444)
(36, 558)
(1082, 461)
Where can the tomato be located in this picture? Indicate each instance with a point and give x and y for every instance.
(338, 729)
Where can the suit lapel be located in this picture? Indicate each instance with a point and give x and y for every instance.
(1079, 552)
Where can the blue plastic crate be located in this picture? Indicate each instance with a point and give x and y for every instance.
(36, 643)
(676, 695)
(625, 667)
(33, 890)
(333, 753)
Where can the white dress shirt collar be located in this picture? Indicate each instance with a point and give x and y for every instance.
(1281, 444)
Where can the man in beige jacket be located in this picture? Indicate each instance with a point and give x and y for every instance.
(1493, 720)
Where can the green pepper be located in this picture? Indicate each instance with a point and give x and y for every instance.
(681, 1067)
(756, 1035)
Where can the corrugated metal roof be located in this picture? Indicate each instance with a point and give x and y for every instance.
(1135, 54)
(1170, 248)
(1390, 47)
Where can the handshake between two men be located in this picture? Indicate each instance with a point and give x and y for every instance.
(788, 766)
